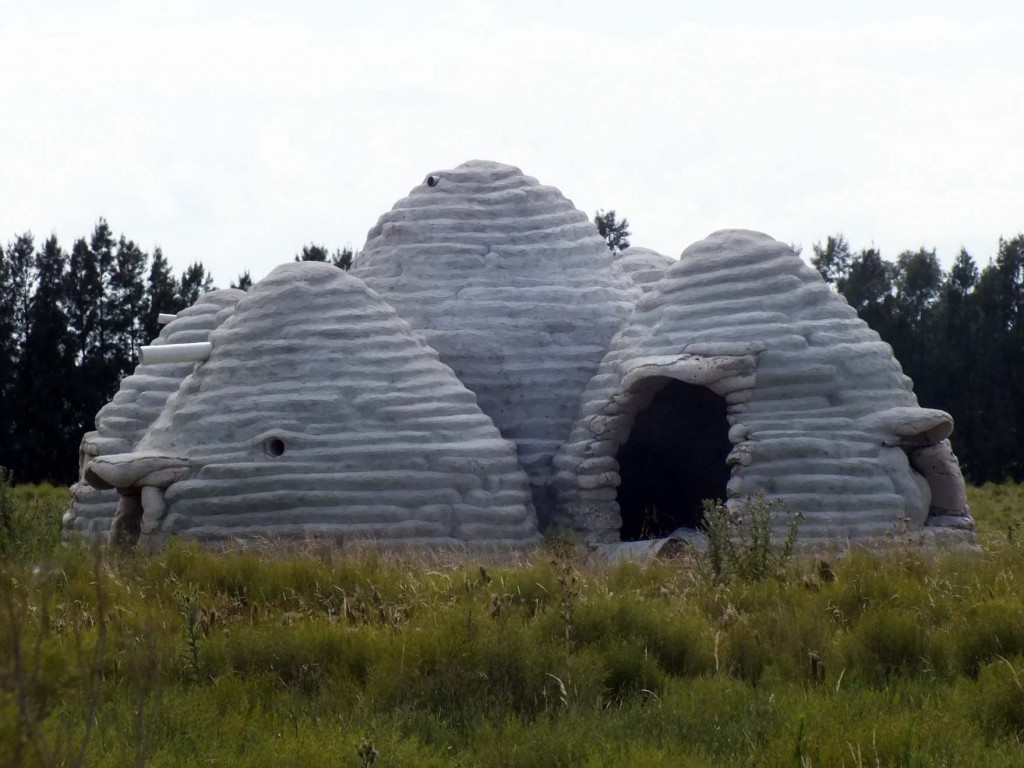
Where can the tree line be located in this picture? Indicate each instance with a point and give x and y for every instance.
(958, 334)
(71, 324)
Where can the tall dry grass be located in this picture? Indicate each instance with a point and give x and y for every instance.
(330, 656)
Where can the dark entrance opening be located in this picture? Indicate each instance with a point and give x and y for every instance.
(673, 460)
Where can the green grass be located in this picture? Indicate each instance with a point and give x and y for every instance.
(997, 507)
(325, 657)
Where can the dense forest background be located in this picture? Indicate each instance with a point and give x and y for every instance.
(71, 324)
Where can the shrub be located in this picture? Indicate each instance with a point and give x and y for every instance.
(30, 518)
(742, 651)
(886, 641)
(999, 698)
(679, 641)
(631, 672)
(988, 631)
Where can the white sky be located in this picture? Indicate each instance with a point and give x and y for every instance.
(236, 135)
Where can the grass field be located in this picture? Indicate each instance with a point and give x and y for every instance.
(327, 657)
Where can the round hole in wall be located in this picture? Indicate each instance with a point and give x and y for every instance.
(273, 446)
(432, 181)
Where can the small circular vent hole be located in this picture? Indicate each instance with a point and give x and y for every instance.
(432, 181)
(273, 446)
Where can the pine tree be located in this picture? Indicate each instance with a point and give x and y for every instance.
(102, 245)
(15, 292)
(950, 384)
(126, 305)
(615, 232)
(17, 266)
(244, 282)
(992, 353)
(194, 283)
(1008, 328)
(867, 286)
(833, 260)
(84, 293)
(917, 280)
(44, 420)
(343, 258)
(161, 295)
(8, 359)
(312, 252)
(91, 320)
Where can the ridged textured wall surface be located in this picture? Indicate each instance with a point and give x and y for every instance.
(513, 287)
(122, 422)
(644, 266)
(320, 411)
(820, 413)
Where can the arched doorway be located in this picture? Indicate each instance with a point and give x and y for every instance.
(673, 459)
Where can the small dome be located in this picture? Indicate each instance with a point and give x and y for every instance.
(320, 411)
(815, 410)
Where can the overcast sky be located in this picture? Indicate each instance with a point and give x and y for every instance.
(235, 135)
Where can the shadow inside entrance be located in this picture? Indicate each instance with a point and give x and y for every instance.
(673, 459)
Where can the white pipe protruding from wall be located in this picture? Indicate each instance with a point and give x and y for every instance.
(163, 318)
(195, 352)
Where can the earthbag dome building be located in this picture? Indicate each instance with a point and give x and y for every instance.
(489, 370)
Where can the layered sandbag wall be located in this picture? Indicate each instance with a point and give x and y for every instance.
(321, 412)
(820, 413)
(122, 422)
(513, 287)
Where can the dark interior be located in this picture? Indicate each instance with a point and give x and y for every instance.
(673, 460)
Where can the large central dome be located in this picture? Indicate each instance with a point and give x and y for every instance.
(514, 288)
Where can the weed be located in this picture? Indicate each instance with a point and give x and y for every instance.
(367, 753)
(190, 610)
(740, 543)
(563, 552)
